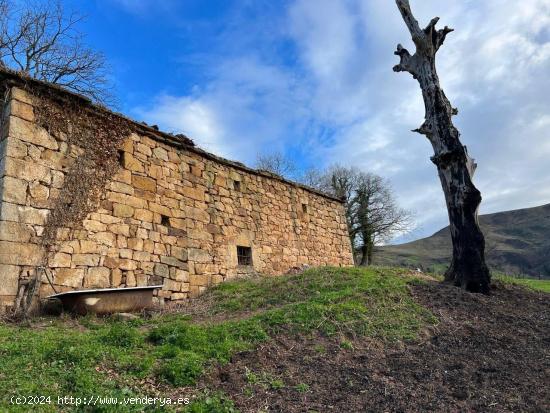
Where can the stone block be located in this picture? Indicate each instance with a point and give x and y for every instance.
(135, 244)
(197, 214)
(160, 209)
(123, 211)
(141, 280)
(97, 277)
(127, 200)
(13, 148)
(141, 256)
(125, 253)
(121, 187)
(130, 279)
(179, 253)
(144, 183)
(124, 176)
(161, 270)
(174, 262)
(131, 163)
(32, 133)
(199, 255)
(120, 229)
(171, 285)
(9, 211)
(160, 153)
(14, 231)
(181, 275)
(60, 260)
(9, 279)
(144, 149)
(193, 193)
(30, 215)
(127, 265)
(21, 95)
(90, 260)
(143, 215)
(104, 238)
(216, 279)
(38, 191)
(116, 277)
(70, 277)
(89, 247)
(178, 223)
(111, 262)
(93, 225)
(128, 145)
(13, 190)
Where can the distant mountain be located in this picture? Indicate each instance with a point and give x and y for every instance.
(516, 242)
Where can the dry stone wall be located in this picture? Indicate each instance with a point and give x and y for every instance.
(170, 216)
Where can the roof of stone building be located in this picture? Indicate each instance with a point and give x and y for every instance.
(181, 141)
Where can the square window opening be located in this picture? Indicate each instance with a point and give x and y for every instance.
(237, 185)
(244, 255)
(304, 208)
(164, 220)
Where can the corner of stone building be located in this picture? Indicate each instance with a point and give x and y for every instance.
(9, 273)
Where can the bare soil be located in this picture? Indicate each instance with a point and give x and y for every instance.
(487, 354)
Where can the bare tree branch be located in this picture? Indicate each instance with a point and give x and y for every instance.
(372, 213)
(276, 163)
(42, 41)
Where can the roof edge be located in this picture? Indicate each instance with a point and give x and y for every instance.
(16, 79)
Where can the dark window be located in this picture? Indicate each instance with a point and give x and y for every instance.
(121, 157)
(244, 255)
(164, 220)
(304, 208)
(237, 185)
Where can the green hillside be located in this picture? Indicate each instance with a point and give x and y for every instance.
(518, 242)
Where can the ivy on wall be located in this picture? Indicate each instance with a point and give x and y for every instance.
(94, 138)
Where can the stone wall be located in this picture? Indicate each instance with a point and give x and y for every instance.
(170, 216)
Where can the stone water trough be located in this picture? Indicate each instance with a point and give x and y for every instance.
(107, 300)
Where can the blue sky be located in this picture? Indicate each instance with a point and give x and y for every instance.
(313, 79)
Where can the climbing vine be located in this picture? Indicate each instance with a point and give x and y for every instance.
(92, 139)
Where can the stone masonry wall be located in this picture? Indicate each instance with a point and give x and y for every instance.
(171, 217)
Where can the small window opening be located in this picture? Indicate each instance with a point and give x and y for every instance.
(164, 220)
(304, 208)
(120, 157)
(237, 185)
(244, 255)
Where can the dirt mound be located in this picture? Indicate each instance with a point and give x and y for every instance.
(487, 354)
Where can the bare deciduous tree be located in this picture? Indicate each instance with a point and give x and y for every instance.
(377, 217)
(455, 167)
(277, 163)
(371, 211)
(40, 40)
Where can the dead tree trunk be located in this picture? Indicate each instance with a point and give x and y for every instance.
(455, 168)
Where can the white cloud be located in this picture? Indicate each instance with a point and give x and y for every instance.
(342, 102)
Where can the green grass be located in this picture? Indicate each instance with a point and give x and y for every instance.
(104, 357)
(533, 284)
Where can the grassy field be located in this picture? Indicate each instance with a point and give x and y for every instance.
(533, 284)
(89, 356)
(169, 353)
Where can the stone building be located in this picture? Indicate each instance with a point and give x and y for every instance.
(171, 214)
